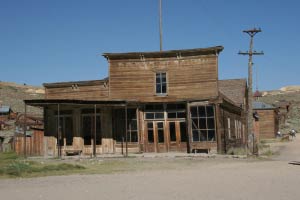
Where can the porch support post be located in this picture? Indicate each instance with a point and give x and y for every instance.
(95, 130)
(126, 137)
(24, 129)
(188, 128)
(58, 132)
(218, 127)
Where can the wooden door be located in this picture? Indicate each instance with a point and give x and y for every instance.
(176, 136)
(155, 139)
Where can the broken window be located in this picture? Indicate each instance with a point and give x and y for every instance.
(203, 123)
(150, 132)
(161, 83)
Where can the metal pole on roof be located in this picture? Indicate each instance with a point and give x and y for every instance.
(24, 129)
(250, 53)
(160, 25)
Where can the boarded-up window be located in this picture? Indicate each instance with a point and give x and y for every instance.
(203, 123)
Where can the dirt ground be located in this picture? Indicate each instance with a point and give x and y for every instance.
(211, 179)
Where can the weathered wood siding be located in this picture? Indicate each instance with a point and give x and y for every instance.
(187, 78)
(96, 91)
(34, 144)
(268, 125)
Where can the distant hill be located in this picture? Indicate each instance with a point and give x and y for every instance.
(290, 94)
(13, 94)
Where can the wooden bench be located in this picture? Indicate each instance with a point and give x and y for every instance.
(73, 152)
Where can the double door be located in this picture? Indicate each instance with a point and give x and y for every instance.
(165, 136)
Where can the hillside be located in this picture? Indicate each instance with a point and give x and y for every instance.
(13, 94)
(290, 94)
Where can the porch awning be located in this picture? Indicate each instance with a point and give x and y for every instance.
(46, 102)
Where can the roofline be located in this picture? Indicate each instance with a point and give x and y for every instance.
(70, 83)
(164, 54)
(45, 102)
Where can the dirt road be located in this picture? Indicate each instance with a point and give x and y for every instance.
(212, 179)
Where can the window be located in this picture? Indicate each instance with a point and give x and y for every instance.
(154, 112)
(161, 83)
(203, 123)
(88, 128)
(66, 129)
(176, 111)
(119, 128)
(228, 127)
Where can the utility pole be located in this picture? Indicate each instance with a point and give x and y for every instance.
(160, 26)
(250, 53)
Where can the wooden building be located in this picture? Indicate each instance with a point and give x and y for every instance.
(151, 102)
(268, 120)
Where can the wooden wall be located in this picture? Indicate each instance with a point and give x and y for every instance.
(187, 78)
(268, 124)
(95, 91)
(34, 144)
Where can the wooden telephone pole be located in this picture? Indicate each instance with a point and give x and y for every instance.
(250, 53)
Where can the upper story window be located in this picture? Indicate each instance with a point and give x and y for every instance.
(161, 83)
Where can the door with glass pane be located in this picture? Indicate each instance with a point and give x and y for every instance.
(155, 137)
(177, 137)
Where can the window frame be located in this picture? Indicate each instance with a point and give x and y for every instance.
(200, 129)
(161, 83)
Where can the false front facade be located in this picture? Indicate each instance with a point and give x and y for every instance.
(151, 102)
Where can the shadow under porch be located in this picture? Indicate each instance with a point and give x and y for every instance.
(87, 127)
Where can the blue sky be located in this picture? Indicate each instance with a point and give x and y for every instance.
(52, 41)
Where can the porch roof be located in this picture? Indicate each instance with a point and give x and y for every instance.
(45, 102)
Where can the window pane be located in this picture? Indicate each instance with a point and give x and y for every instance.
(210, 111)
(194, 111)
(195, 124)
(149, 115)
(150, 125)
(171, 107)
(195, 135)
(172, 115)
(150, 136)
(183, 132)
(159, 115)
(211, 135)
(164, 88)
(160, 125)
(181, 115)
(160, 136)
(211, 123)
(134, 136)
(201, 111)
(172, 131)
(203, 135)
(158, 88)
(202, 122)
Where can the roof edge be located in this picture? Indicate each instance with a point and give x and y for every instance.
(70, 83)
(163, 54)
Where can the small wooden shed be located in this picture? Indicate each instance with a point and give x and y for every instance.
(268, 120)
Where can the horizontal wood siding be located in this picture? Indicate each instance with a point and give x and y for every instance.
(88, 92)
(267, 125)
(187, 78)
